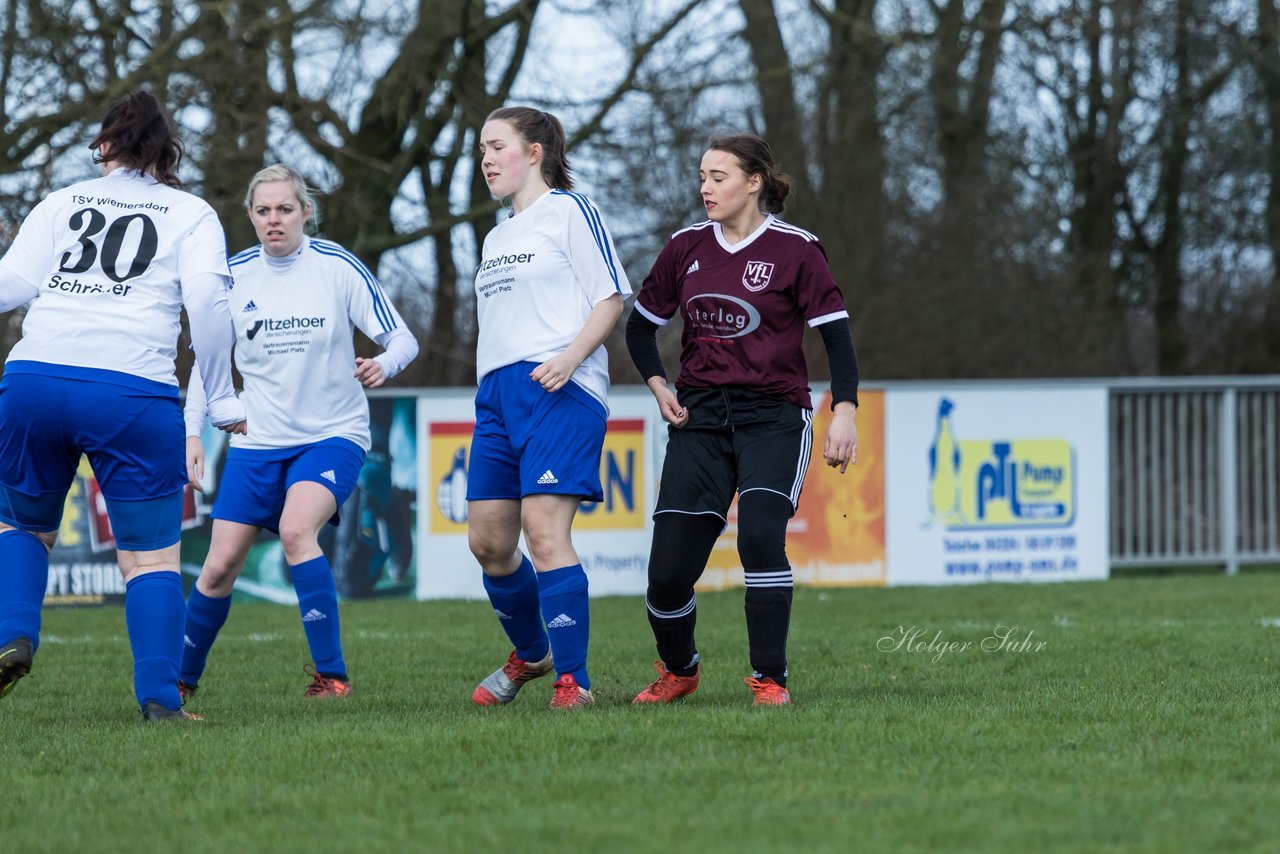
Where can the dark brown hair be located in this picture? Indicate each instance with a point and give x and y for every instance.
(756, 158)
(545, 129)
(138, 135)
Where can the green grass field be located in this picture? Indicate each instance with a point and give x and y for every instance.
(1146, 722)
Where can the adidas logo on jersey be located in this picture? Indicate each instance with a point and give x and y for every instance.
(547, 478)
(562, 622)
(330, 476)
(249, 306)
(313, 615)
(693, 268)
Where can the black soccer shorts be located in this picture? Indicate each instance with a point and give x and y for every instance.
(704, 467)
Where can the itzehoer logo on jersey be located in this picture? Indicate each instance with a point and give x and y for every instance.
(488, 283)
(289, 323)
(280, 336)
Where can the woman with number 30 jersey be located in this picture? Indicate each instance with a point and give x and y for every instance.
(108, 265)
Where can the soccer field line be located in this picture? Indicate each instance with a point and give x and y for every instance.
(79, 639)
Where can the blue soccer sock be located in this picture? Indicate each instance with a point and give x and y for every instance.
(515, 601)
(24, 575)
(205, 617)
(153, 612)
(318, 604)
(563, 594)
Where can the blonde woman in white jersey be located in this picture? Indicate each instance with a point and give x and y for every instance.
(295, 302)
(108, 265)
(549, 289)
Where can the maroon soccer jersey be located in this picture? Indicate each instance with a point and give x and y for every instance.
(744, 306)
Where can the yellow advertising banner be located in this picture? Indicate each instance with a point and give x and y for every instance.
(622, 468)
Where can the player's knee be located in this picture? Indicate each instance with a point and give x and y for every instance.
(546, 536)
(543, 546)
(762, 530)
(297, 539)
(667, 592)
(759, 549)
(221, 568)
(218, 575)
(488, 548)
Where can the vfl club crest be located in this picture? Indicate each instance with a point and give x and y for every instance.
(757, 275)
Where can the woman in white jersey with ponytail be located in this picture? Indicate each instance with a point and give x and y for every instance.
(295, 301)
(107, 265)
(549, 289)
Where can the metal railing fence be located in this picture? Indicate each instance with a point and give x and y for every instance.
(1195, 472)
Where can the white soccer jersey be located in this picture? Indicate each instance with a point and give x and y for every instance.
(541, 272)
(119, 246)
(294, 347)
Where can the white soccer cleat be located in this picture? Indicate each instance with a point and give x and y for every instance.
(501, 686)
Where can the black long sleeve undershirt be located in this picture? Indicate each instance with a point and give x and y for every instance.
(843, 360)
(642, 344)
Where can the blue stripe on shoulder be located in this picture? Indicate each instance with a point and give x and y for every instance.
(596, 224)
(333, 250)
(244, 257)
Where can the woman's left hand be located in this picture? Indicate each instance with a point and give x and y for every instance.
(554, 372)
(195, 462)
(841, 447)
(369, 372)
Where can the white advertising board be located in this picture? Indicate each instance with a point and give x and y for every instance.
(996, 484)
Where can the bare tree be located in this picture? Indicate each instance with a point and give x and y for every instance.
(381, 104)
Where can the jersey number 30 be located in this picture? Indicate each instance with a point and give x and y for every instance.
(89, 222)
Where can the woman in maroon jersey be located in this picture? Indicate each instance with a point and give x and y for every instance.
(746, 284)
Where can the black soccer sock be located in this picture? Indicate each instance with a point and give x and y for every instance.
(673, 630)
(762, 536)
(681, 545)
(768, 607)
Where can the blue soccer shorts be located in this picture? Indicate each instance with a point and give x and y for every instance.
(529, 441)
(129, 428)
(254, 482)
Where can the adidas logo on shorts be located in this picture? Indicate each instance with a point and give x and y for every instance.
(330, 476)
(562, 622)
(249, 306)
(313, 615)
(548, 477)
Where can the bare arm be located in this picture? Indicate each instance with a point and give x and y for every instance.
(558, 370)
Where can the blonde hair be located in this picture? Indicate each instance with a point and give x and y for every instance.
(280, 172)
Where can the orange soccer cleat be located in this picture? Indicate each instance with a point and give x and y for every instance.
(326, 686)
(501, 686)
(668, 686)
(768, 692)
(570, 695)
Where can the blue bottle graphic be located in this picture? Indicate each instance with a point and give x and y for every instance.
(944, 470)
(451, 493)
